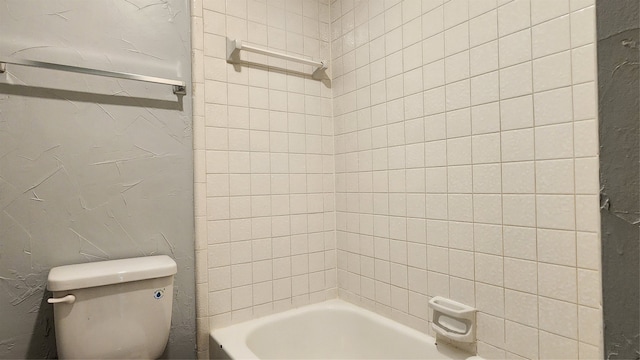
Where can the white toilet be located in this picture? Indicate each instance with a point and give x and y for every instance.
(117, 309)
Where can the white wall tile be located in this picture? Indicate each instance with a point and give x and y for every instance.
(487, 351)
(455, 12)
(551, 72)
(491, 330)
(461, 290)
(517, 145)
(457, 67)
(520, 275)
(521, 307)
(582, 26)
(555, 176)
(459, 151)
(487, 208)
(579, 4)
(584, 103)
(515, 80)
(543, 10)
(438, 284)
(480, 7)
(485, 118)
(490, 299)
(489, 269)
(487, 238)
(460, 207)
(483, 58)
(456, 39)
(433, 22)
(458, 123)
(433, 75)
(436, 179)
(485, 88)
(519, 210)
(589, 288)
(486, 148)
(461, 235)
(515, 48)
(551, 37)
(557, 282)
(513, 17)
(556, 211)
(451, 149)
(588, 252)
(558, 317)
(586, 138)
(483, 28)
(437, 259)
(459, 179)
(552, 107)
(434, 100)
(521, 340)
(554, 142)
(435, 127)
(461, 264)
(557, 247)
(589, 328)
(557, 347)
(516, 113)
(587, 351)
(587, 213)
(458, 95)
(583, 63)
(520, 242)
(487, 178)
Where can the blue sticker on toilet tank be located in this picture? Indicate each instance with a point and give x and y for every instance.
(158, 294)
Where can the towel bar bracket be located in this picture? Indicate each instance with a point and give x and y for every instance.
(3, 67)
(179, 90)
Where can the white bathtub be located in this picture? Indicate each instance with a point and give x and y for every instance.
(332, 329)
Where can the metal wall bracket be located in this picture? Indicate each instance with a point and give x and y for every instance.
(179, 86)
(179, 90)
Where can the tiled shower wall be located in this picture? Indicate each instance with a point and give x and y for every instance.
(264, 167)
(466, 166)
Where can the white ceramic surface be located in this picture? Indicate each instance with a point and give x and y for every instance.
(123, 320)
(80, 276)
(332, 329)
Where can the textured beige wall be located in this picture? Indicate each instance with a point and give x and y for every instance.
(92, 168)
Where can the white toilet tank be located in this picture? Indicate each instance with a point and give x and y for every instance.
(117, 309)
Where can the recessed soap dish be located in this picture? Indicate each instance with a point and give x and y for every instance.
(453, 320)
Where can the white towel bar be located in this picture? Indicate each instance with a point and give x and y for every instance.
(233, 56)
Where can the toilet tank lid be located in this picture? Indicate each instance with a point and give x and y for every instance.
(80, 276)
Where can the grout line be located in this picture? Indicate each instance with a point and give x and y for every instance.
(575, 198)
(446, 148)
(250, 192)
(535, 197)
(499, 103)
